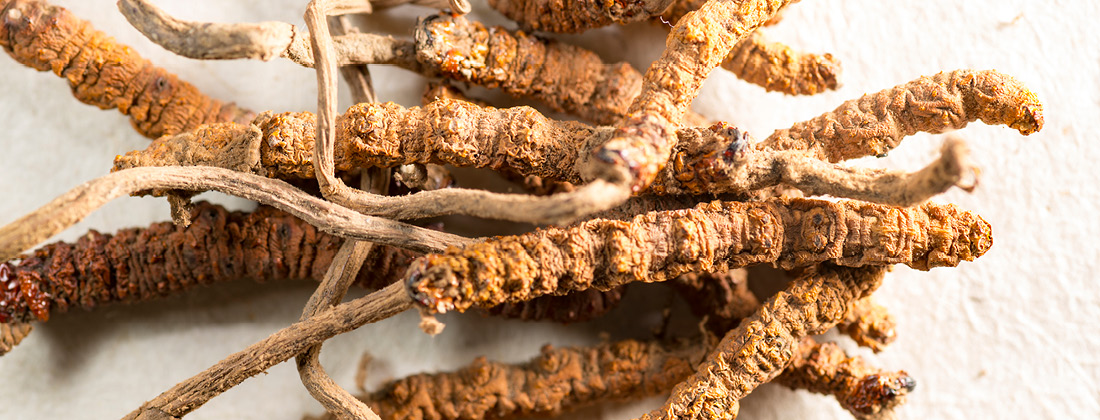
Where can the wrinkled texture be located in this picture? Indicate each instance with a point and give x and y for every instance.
(139, 264)
(764, 344)
(559, 379)
(446, 131)
(866, 391)
(568, 16)
(877, 122)
(711, 237)
(105, 73)
(778, 68)
(565, 77)
(697, 44)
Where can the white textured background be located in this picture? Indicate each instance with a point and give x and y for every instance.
(1014, 335)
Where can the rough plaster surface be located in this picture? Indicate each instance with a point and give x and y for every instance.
(1012, 336)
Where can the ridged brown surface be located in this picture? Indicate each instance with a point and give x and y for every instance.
(559, 379)
(104, 73)
(565, 77)
(144, 263)
(877, 122)
(643, 142)
(446, 131)
(764, 344)
(568, 16)
(711, 237)
(864, 390)
(779, 68)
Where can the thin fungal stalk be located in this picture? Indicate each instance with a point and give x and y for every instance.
(869, 393)
(762, 346)
(348, 261)
(104, 73)
(279, 347)
(260, 41)
(71, 207)
(659, 246)
(707, 160)
(139, 264)
(876, 123)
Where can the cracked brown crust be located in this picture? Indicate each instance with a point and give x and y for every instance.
(107, 74)
(711, 237)
(139, 264)
(868, 392)
(877, 122)
(722, 298)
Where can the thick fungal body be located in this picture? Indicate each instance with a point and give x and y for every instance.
(762, 346)
(105, 73)
(877, 122)
(659, 246)
(559, 379)
(576, 15)
(866, 391)
(777, 67)
(140, 264)
(565, 77)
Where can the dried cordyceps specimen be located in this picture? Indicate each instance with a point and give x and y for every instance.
(140, 264)
(865, 391)
(771, 65)
(105, 73)
(764, 344)
(869, 324)
(699, 42)
(711, 160)
(577, 15)
(659, 246)
(877, 122)
(778, 68)
(558, 379)
(563, 76)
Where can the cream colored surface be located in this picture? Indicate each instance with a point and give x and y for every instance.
(1014, 335)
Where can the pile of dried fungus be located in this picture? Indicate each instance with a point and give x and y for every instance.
(627, 195)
